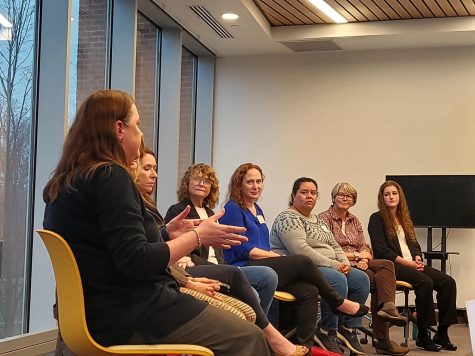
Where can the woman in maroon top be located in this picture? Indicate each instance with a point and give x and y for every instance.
(349, 234)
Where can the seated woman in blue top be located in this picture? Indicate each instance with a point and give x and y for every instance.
(130, 296)
(199, 189)
(297, 274)
(237, 284)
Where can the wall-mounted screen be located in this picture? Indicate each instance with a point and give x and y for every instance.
(439, 200)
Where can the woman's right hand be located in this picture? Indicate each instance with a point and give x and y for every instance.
(206, 286)
(212, 233)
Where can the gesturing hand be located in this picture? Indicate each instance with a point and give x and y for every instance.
(179, 225)
(218, 235)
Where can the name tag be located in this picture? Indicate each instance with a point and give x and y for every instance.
(260, 218)
(325, 228)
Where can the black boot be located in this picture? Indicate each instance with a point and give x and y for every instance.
(443, 340)
(424, 340)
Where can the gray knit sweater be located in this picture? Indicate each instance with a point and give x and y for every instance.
(295, 234)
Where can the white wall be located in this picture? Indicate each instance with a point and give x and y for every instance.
(350, 116)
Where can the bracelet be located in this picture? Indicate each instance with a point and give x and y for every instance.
(197, 237)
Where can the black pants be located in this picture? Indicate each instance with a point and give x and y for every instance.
(299, 276)
(424, 284)
(240, 287)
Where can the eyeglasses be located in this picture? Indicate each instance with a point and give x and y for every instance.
(344, 196)
(200, 180)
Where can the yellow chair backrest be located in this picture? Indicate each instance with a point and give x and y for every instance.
(71, 311)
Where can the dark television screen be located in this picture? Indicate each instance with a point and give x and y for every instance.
(439, 200)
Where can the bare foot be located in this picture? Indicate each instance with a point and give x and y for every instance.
(280, 344)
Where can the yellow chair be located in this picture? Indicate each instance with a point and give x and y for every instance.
(72, 318)
(406, 287)
(288, 298)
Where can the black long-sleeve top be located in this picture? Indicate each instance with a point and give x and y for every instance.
(200, 255)
(122, 259)
(385, 247)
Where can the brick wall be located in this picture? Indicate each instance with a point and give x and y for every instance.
(91, 47)
(187, 115)
(145, 77)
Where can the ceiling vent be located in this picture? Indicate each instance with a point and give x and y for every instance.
(211, 21)
(312, 46)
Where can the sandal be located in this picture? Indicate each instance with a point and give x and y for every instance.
(299, 351)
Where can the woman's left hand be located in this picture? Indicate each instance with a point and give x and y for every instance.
(362, 264)
(180, 225)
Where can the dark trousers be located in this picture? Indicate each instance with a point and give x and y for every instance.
(424, 284)
(222, 332)
(382, 281)
(299, 276)
(239, 286)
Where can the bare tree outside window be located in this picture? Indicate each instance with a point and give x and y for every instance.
(16, 76)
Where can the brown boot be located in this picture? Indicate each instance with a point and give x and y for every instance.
(389, 313)
(389, 347)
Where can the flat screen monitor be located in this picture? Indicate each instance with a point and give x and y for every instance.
(439, 200)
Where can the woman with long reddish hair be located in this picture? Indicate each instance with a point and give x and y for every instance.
(297, 274)
(393, 238)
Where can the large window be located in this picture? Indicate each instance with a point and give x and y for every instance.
(89, 36)
(146, 78)
(187, 111)
(17, 41)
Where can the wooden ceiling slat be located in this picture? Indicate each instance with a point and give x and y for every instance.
(459, 8)
(276, 15)
(470, 6)
(287, 8)
(435, 8)
(349, 7)
(281, 7)
(302, 7)
(274, 21)
(423, 9)
(401, 11)
(362, 8)
(302, 12)
(447, 7)
(380, 14)
(411, 9)
(388, 10)
(341, 10)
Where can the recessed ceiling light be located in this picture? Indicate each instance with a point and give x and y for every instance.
(329, 11)
(229, 16)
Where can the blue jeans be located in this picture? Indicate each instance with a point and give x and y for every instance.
(354, 286)
(264, 280)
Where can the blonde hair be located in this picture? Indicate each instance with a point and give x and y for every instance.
(347, 189)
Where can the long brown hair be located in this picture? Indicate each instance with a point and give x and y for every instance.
(402, 212)
(207, 172)
(235, 183)
(91, 141)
